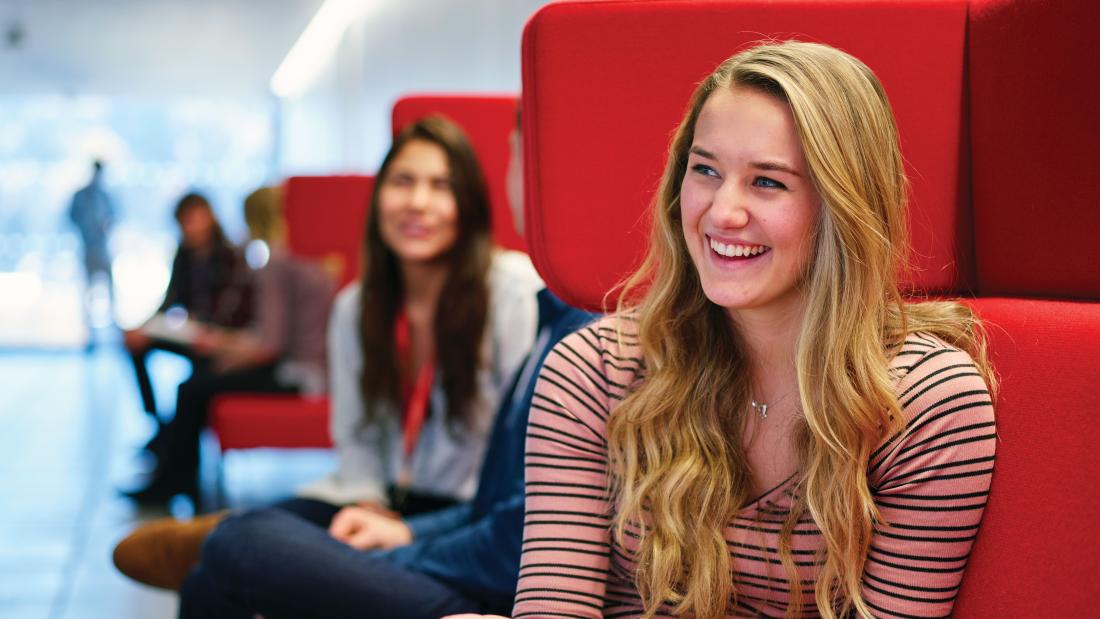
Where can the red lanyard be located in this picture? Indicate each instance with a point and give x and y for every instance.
(414, 394)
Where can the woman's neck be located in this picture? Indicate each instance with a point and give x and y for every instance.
(771, 335)
(423, 284)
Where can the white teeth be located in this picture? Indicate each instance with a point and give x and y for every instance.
(731, 250)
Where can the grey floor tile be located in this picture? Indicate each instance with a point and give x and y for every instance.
(73, 429)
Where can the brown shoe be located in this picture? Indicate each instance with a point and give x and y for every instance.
(161, 552)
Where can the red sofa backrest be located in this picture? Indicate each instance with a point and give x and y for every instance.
(488, 121)
(327, 214)
(605, 85)
(1034, 87)
(1033, 83)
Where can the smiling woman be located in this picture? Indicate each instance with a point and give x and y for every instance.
(771, 430)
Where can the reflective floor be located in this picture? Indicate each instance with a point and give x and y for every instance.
(70, 433)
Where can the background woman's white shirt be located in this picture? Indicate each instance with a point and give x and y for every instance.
(448, 457)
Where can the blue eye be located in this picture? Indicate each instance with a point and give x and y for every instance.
(705, 170)
(767, 183)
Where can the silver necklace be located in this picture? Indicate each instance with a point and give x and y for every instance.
(760, 408)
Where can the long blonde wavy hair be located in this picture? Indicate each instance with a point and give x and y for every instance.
(678, 465)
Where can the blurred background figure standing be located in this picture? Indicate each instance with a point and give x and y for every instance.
(93, 214)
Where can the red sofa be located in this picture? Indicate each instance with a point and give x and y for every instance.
(995, 101)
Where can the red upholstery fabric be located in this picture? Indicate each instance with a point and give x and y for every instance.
(606, 83)
(1034, 84)
(488, 122)
(282, 421)
(328, 214)
(1036, 552)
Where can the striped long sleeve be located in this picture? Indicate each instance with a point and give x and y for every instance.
(566, 538)
(930, 484)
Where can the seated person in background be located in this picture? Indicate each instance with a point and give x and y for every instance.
(282, 352)
(770, 429)
(210, 284)
(461, 558)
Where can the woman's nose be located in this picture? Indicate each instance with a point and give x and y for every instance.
(729, 208)
(420, 197)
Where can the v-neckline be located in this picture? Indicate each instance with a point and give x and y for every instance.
(771, 491)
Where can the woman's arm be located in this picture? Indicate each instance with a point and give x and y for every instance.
(360, 448)
(565, 557)
(931, 486)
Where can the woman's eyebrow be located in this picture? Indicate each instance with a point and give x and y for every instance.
(777, 166)
(705, 154)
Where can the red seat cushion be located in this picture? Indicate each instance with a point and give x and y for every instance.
(488, 121)
(1035, 134)
(606, 83)
(328, 214)
(1036, 552)
(248, 421)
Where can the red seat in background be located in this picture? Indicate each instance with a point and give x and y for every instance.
(994, 101)
(326, 216)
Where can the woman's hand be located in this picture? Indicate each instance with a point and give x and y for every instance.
(364, 529)
(209, 340)
(135, 340)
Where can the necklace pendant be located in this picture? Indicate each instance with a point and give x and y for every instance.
(761, 409)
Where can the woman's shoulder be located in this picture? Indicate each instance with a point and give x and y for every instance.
(922, 353)
(511, 272)
(608, 346)
(345, 307)
(935, 375)
(948, 410)
(589, 372)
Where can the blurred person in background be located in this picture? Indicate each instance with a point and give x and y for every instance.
(210, 284)
(93, 214)
(281, 351)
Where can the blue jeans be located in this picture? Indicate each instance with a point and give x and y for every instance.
(280, 563)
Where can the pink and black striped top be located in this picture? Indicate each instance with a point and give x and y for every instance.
(930, 484)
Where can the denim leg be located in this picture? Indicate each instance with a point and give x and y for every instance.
(203, 597)
(277, 564)
(319, 513)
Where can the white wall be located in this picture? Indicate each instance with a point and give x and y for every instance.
(342, 122)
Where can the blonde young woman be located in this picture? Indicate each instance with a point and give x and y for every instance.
(770, 429)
